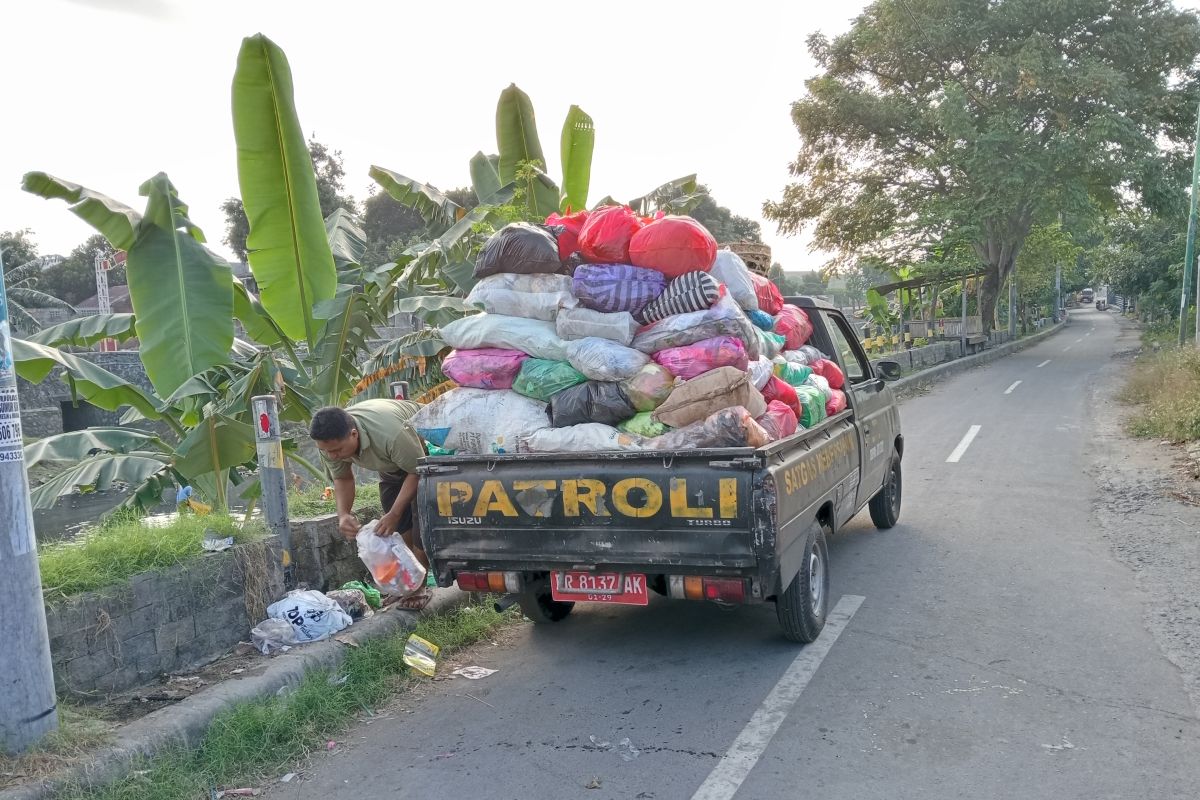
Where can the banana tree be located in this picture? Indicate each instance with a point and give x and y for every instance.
(20, 283)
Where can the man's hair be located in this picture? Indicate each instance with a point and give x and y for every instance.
(331, 424)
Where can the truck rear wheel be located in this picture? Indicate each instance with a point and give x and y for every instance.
(542, 608)
(885, 505)
(803, 605)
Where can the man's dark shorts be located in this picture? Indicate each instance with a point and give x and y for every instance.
(389, 490)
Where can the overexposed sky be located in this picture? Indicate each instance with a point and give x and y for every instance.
(107, 93)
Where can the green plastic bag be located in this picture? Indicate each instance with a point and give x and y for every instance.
(793, 374)
(374, 598)
(812, 405)
(540, 379)
(642, 424)
(434, 450)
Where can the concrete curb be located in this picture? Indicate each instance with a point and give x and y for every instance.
(942, 371)
(187, 722)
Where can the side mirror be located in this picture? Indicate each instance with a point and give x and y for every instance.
(887, 369)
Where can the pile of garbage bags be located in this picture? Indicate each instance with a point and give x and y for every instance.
(606, 330)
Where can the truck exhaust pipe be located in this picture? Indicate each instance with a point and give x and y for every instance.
(505, 603)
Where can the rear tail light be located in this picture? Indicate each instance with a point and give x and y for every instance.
(695, 587)
(491, 582)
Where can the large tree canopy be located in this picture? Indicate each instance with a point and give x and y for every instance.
(974, 120)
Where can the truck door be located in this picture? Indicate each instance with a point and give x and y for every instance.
(868, 399)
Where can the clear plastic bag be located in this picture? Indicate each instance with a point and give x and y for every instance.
(725, 318)
(479, 421)
(580, 323)
(777, 389)
(812, 405)
(730, 270)
(536, 337)
(485, 368)
(604, 359)
(587, 437)
(695, 359)
(818, 382)
(649, 388)
(392, 565)
(273, 636)
(761, 372)
(541, 379)
(536, 296)
(770, 344)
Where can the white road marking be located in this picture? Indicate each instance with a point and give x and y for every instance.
(1009, 390)
(972, 432)
(1080, 339)
(1044, 363)
(1065, 349)
(734, 767)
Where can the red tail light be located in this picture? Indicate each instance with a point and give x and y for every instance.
(728, 590)
(491, 582)
(473, 581)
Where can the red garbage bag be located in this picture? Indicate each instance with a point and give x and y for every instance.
(567, 228)
(781, 390)
(794, 326)
(830, 372)
(690, 360)
(779, 421)
(769, 298)
(836, 403)
(674, 245)
(605, 237)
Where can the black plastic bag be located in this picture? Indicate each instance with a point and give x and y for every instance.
(521, 248)
(594, 401)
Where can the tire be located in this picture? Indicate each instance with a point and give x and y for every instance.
(542, 609)
(885, 505)
(803, 606)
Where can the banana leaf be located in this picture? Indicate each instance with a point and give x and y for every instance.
(350, 322)
(485, 177)
(70, 448)
(116, 221)
(141, 471)
(258, 324)
(182, 293)
(438, 210)
(673, 197)
(521, 159)
(435, 310)
(88, 382)
(86, 331)
(347, 240)
(578, 141)
(289, 250)
(213, 447)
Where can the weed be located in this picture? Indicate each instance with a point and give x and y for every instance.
(1166, 385)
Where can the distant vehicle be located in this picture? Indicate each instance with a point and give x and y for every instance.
(1087, 296)
(1101, 304)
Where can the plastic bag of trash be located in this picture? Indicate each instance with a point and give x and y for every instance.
(836, 403)
(780, 421)
(273, 636)
(695, 359)
(581, 323)
(729, 427)
(723, 319)
(818, 382)
(811, 353)
(536, 296)
(692, 291)
(374, 599)
(673, 245)
(604, 359)
(779, 389)
(312, 615)
(830, 372)
(769, 298)
(587, 437)
(770, 344)
(536, 337)
(761, 372)
(606, 234)
(421, 655)
(649, 388)
(729, 269)
(761, 319)
(518, 247)
(392, 565)
(566, 229)
(353, 602)
(594, 401)
(694, 400)
(484, 368)
(794, 325)
(479, 421)
(643, 424)
(812, 405)
(541, 379)
(794, 374)
(616, 287)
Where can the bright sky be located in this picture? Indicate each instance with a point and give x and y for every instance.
(106, 93)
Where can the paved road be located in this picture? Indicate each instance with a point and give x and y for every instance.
(1000, 650)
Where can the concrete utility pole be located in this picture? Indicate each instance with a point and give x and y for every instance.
(28, 705)
(1012, 304)
(1189, 255)
(272, 475)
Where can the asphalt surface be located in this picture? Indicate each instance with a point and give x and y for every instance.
(1000, 649)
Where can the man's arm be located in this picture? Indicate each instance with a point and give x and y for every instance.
(408, 491)
(343, 497)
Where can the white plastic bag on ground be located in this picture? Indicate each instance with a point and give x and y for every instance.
(580, 323)
(312, 615)
(273, 636)
(730, 270)
(480, 421)
(393, 566)
(586, 438)
(761, 371)
(604, 359)
(536, 337)
(537, 296)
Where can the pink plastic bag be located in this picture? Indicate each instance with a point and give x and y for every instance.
(769, 298)
(674, 245)
(795, 326)
(779, 421)
(830, 372)
(836, 403)
(484, 368)
(690, 360)
(605, 237)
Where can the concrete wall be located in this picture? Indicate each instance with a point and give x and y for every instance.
(181, 618)
(42, 411)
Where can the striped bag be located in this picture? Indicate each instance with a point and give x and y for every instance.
(692, 291)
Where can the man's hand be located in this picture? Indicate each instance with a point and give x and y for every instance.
(348, 525)
(387, 524)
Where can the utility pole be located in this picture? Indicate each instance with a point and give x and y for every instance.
(28, 704)
(1189, 253)
(273, 478)
(1012, 304)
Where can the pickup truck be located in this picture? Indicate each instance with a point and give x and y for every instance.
(732, 526)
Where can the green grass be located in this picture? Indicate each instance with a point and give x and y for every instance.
(308, 502)
(1166, 387)
(125, 546)
(79, 730)
(255, 742)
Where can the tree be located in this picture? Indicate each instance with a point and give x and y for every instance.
(74, 280)
(1141, 255)
(1046, 249)
(787, 287)
(22, 273)
(723, 224)
(18, 248)
(977, 119)
(237, 227)
(387, 222)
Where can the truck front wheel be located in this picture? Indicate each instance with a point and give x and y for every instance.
(540, 607)
(802, 606)
(885, 505)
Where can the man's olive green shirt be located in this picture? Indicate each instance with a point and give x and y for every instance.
(387, 442)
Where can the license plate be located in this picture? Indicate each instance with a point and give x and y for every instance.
(600, 587)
